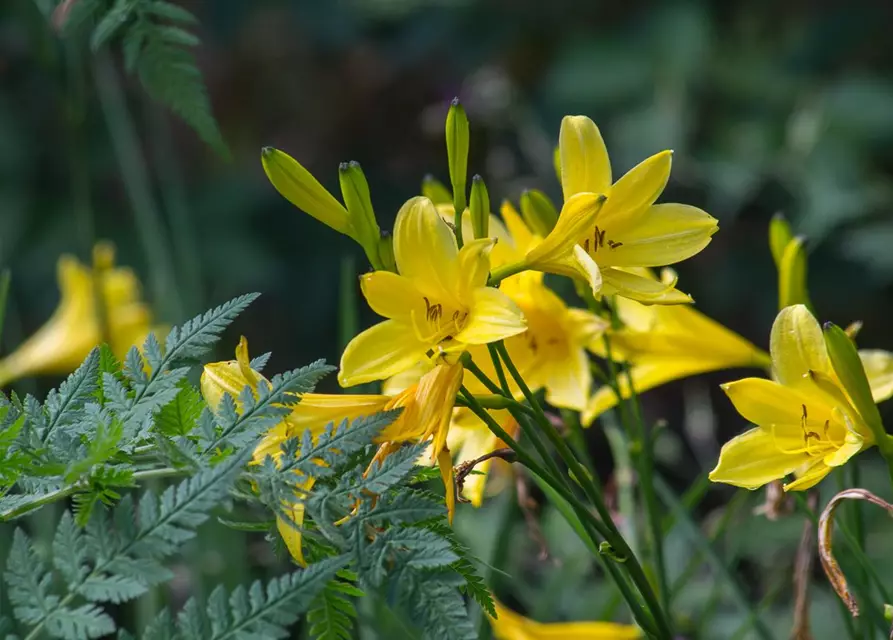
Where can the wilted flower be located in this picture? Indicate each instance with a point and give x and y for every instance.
(509, 625)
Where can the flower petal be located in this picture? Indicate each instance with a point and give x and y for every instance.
(521, 235)
(391, 295)
(754, 459)
(585, 166)
(765, 402)
(797, 345)
(879, 369)
(316, 411)
(809, 476)
(568, 381)
(474, 266)
(493, 317)
(509, 625)
(425, 249)
(665, 234)
(637, 190)
(644, 290)
(577, 218)
(578, 265)
(380, 352)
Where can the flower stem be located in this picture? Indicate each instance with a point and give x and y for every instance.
(507, 271)
(594, 494)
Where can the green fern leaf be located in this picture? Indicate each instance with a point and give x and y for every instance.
(179, 417)
(331, 614)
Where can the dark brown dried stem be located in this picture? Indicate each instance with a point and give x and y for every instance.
(465, 468)
(826, 528)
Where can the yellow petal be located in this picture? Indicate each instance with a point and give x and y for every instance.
(380, 352)
(509, 625)
(568, 381)
(425, 249)
(879, 369)
(644, 290)
(797, 345)
(474, 266)
(492, 317)
(765, 402)
(391, 295)
(316, 410)
(585, 166)
(809, 476)
(291, 535)
(304, 191)
(852, 445)
(755, 458)
(219, 378)
(637, 190)
(521, 235)
(665, 234)
(647, 374)
(585, 328)
(577, 217)
(445, 462)
(579, 265)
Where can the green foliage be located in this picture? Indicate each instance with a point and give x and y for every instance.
(111, 426)
(155, 41)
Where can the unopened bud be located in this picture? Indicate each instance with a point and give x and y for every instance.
(386, 252)
(435, 190)
(479, 208)
(355, 191)
(538, 212)
(457, 136)
(779, 236)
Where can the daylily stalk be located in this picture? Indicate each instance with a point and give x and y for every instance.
(479, 208)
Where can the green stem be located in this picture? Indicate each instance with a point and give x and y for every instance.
(5, 280)
(135, 176)
(594, 494)
(507, 271)
(644, 463)
(499, 556)
(624, 477)
(459, 209)
(64, 492)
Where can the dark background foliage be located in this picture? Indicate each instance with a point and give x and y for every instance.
(769, 107)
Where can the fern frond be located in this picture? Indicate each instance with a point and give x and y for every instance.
(260, 611)
(331, 614)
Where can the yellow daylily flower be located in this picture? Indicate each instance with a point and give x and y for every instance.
(76, 326)
(509, 625)
(630, 230)
(438, 301)
(878, 366)
(663, 343)
(806, 422)
(231, 377)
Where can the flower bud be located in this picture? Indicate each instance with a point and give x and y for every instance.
(457, 151)
(779, 237)
(386, 252)
(355, 191)
(792, 287)
(479, 208)
(299, 187)
(435, 191)
(538, 212)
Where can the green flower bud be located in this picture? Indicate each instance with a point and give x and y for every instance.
(300, 188)
(355, 191)
(457, 157)
(779, 237)
(479, 208)
(386, 252)
(538, 212)
(435, 190)
(792, 287)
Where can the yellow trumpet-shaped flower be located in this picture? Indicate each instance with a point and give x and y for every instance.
(663, 343)
(438, 301)
(629, 230)
(509, 625)
(231, 377)
(551, 354)
(806, 422)
(83, 319)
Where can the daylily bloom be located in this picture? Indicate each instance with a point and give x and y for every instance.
(551, 354)
(663, 343)
(630, 230)
(231, 377)
(438, 302)
(76, 326)
(509, 625)
(806, 421)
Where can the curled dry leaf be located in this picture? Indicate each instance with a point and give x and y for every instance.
(826, 528)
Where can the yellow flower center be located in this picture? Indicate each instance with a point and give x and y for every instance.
(818, 436)
(598, 241)
(439, 322)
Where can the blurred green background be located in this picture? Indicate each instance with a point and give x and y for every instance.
(769, 107)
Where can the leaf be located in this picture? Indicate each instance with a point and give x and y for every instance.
(86, 621)
(65, 406)
(195, 338)
(396, 467)
(437, 606)
(331, 614)
(260, 611)
(112, 22)
(179, 417)
(170, 12)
